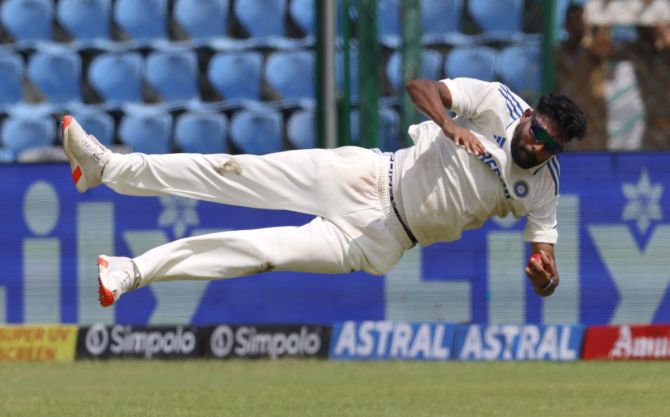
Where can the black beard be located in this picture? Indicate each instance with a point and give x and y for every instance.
(520, 155)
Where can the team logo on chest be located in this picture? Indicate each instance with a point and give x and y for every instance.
(521, 188)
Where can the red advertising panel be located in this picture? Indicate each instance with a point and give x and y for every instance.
(651, 342)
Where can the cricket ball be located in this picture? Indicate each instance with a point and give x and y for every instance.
(537, 256)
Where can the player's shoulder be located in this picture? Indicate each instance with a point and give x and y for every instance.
(547, 177)
(473, 86)
(538, 186)
(494, 88)
(513, 105)
(504, 102)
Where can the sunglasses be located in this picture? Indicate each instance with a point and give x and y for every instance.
(542, 136)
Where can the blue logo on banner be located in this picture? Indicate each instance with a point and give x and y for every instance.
(510, 342)
(391, 340)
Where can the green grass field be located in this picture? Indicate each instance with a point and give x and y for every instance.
(319, 388)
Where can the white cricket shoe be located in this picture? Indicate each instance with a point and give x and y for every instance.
(87, 156)
(116, 275)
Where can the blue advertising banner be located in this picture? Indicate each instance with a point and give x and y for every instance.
(511, 342)
(612, 257)
(391, 340)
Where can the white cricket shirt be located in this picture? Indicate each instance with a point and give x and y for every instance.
(442, 190)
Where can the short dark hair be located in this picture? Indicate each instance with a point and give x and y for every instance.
(572, 8)
(565, 113)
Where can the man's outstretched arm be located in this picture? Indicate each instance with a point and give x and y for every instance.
(542, 272)
(433, 99)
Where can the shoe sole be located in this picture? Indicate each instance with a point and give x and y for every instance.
(105, 295)
(75, 166)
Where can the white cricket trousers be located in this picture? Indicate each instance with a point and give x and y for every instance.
(346, 188)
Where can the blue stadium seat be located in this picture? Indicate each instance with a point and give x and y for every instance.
(520, 67)
(257, 131)
(96, 122)
(11, 76)
(202, 132)
(117, 77)
(173, 73)
(303, 14)
(87, 21)
(262, 17)
(474, 62)
(56, 72)
(388, 22)
(236, 75)
(20, 133)
(431, 66)
(146, 129)
(440, 16)
(291, 74)
(440, 22)
(28, 20)
(202, 19)
(301, 129)
(265, 22)
(499, 19)
(144, 21)
(6, 155)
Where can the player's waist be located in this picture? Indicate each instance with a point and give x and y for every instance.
(387, 188)
(433, 199)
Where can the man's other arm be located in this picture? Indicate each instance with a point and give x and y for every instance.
(434, 99)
